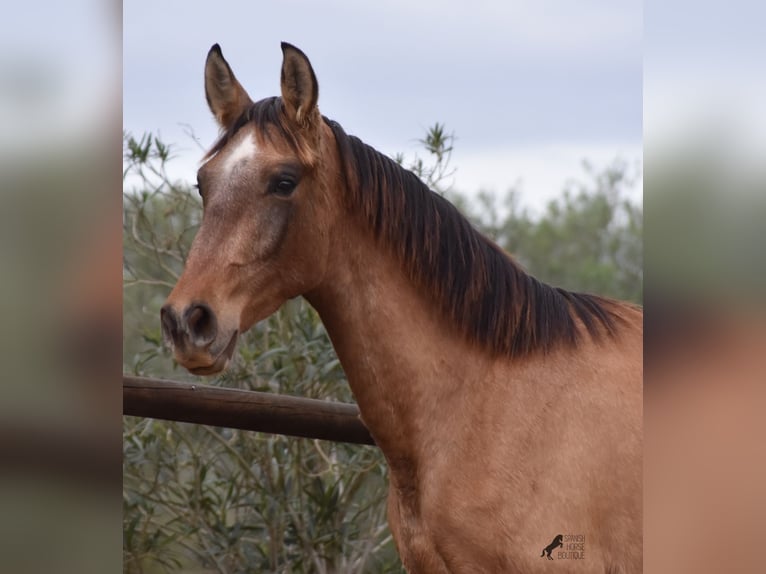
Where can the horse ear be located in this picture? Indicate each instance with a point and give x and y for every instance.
(225, 96)
(300, 91)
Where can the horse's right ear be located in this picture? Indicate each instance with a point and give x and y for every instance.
(225, 96)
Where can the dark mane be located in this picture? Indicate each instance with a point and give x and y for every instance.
(485, 293)
(475, 283)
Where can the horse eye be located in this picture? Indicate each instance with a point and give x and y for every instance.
(284, 187)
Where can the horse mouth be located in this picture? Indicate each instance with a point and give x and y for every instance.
(221, 360)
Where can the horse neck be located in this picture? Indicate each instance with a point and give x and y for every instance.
(403, 359)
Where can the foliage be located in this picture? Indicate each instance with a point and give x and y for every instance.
(589, 239)
(222, 500)
(439, 144)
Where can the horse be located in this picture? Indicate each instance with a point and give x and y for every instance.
(505, 408)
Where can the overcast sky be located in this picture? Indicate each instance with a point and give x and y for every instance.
(529, 88)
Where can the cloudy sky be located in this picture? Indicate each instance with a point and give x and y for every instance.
(529, 89)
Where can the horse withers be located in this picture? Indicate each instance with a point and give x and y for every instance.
(508, 410)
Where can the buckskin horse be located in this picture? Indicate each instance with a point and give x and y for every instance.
(507, 409)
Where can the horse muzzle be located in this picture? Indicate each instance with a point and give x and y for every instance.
(198, 343)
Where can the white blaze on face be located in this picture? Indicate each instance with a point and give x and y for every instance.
(244, 150)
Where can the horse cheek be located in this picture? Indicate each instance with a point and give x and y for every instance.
(272, 228)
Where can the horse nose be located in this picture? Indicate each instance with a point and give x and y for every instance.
(171, 329)
(201, 324)
(197, 322)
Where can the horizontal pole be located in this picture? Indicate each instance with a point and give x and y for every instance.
(240, 409)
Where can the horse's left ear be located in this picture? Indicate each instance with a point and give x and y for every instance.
(300, 91)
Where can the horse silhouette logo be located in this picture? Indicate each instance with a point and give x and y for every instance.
(557, 542)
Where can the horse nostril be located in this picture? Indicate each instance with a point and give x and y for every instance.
(201, 324)
(169, 323)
